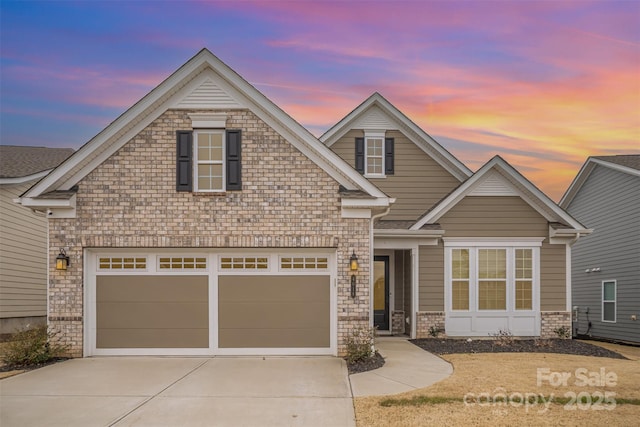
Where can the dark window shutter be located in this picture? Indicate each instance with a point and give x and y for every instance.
(184, 172)
(234, 166)
(360, 155)
(388, 156)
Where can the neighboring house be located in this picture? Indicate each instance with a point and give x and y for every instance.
(205, 220)
(23, 236)
(605, 195)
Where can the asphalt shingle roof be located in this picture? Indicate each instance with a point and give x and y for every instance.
(627, 160)
(18, 161)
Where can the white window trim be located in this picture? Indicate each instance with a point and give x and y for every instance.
(197, 162)
(614, 301)
(373, 135)
(510, 244)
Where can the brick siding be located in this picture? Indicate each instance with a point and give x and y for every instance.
(130, 201)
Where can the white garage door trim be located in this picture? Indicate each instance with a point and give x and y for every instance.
(212, 270)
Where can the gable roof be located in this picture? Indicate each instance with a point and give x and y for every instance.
(201, 82)
(378, 113)
(628, 163)
(498, 177)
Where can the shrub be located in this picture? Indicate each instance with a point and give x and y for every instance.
(32, 346)
(503, 337)
(360, 344)
(562, 332)
(434, 331)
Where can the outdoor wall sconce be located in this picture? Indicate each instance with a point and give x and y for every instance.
(62, 260)
(353, 266)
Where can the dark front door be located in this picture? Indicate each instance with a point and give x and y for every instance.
(381, 292)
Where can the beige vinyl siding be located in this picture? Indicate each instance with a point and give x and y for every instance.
(431, 286)
(23, 256)
(398, 281)
(553, 276)
(418, 182)
(488, 216)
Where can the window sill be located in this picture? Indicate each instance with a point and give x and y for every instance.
(209, 194)
(374, 176)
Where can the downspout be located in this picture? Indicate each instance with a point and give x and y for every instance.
(371, 255)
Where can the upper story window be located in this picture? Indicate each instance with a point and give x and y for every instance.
(374, 159)
(375, 155)
(208, 160)
(209, 167)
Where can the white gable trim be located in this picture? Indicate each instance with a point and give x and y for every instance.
(172, 92)
(585, 172)
(524, 189)
(376, 105)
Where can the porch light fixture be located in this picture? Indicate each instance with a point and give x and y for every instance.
(62, 260)
(353, 262)
(353, 266)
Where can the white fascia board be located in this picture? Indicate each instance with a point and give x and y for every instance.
(512, 173)
(408, 234)
(493, 241)
(52, 181)
(355, 213)
(23, 179)
(380, 202)
(138, 117)
(426, 143)
(47, 203)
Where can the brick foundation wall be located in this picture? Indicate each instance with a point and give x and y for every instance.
(397, 322)
(427, 319)
(130, 201)
(552, 320)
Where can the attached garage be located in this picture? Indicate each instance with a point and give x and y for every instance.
(210, 303)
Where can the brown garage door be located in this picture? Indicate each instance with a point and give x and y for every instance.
(152, 312)
(274, 311)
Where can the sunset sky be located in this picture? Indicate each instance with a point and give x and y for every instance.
(545, 84)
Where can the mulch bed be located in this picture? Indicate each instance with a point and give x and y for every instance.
(560, 346)
(374, 362)
(7, 368)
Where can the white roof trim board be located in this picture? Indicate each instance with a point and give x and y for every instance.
(511, 178)
(584, 173)
(178, 91)
(371, 113)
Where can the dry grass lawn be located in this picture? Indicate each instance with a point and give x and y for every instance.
(486, 376)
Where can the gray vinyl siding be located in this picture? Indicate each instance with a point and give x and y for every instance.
(418, 181)
(431, 286)
(608, 202)
(23, 257)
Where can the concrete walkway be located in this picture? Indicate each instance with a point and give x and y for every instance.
(407, 367)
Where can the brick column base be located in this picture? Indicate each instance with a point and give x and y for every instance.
(552, 321)
(428, 321)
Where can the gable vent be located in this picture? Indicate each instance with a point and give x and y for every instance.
(208, 95)
(493, 185)
(374, 118)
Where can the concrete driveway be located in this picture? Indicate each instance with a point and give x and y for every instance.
(165, 391)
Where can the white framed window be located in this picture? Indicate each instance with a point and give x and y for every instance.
(303, 263)
(492, 278)
(209, 164)
(609, 296)
(244, 263)
(182, 263)
(374, 155)
(122, 263)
